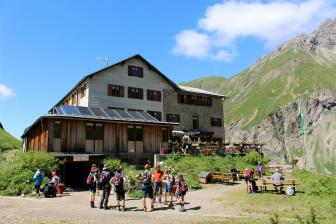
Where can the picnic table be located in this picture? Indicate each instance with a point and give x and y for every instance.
(223, 177)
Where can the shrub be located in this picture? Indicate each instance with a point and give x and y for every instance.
(16, 174)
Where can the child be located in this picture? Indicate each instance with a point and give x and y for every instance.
(169, 179)
(181, 191)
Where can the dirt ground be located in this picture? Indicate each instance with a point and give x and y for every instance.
(73, 207)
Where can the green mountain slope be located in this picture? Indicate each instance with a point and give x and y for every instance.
(8, 142)
(275, 80)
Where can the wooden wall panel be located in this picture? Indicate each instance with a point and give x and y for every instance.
(110, 137)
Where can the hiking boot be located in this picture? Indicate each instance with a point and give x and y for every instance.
(101, 207)
(119, 208)
(107, 208)
(123, 209)
(91, 204)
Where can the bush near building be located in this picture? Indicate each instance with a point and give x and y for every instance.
(16, 173)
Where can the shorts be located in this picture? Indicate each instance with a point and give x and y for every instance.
(120, 193)
(180, 193)
(247, 179)
(147, 191)
(92, 188)
(169, 188)
(158, 188)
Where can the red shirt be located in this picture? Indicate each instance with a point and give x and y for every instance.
(157, 175)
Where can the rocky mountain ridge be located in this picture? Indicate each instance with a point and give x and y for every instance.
(264, 100)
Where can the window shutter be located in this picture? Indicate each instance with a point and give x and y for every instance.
(179, 98)
(141, 72)
(159, 96)
(129, 70)
(109, 90)
(122, 91)
(141, 93)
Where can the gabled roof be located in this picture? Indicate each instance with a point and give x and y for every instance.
(138, 56)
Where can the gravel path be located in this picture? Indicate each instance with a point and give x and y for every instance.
(74, 207)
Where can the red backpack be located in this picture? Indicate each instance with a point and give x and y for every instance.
(90, 179)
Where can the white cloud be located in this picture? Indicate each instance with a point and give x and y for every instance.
(5, 92)
(273, 22)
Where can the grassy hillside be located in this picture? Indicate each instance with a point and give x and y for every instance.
(274, 81)
(8, 142)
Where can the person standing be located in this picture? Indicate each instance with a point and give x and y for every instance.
(158, 174)
(105, 178)
(181, 191)
(54, 178)
(38, 178)
(170, 181)
(92, 182)
(146, 187)
(260, 169)
(119, 182)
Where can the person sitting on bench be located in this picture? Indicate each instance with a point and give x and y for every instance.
(277, 180)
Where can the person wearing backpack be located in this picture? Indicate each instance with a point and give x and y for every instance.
(105, 178)
(119, 182)
(146, 187)
(92, 182)
(181, 191)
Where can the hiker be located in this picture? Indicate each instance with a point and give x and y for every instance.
(248, 174)
(260, 169)
(157, 174)
(92, 182)
(277, 180)
(119, 183)
(170, 181)
(253, 187)
(181, 191)
(38, 178)
(146, 187)
(105, 178)
(54, 178)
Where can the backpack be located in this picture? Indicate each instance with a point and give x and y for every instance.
(146, 178)
(90, 179)
(183, 186)
(105, 177)
(118, 179)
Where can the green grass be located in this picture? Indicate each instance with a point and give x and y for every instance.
(8, 142)
(254, 94)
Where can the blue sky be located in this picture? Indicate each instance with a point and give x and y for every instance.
(48, 46)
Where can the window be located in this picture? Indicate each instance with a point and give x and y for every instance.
(194, 100)
(216, 122)
(134, 133)
(153, 95)
(89, 131)
(94, 131)
(173, 118)
(135, 93)
(115, 90)
(164, 134)
(57, 129)
(195, 122)
(156, 114)
(82, 91)
(135, 71)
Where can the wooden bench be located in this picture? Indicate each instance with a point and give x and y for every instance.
(223, 177)
(268, 183)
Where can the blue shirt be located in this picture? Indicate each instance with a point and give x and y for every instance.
(38, 177)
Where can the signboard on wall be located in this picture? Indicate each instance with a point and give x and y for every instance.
(81, 157)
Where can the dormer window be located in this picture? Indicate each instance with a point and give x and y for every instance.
(135, 71)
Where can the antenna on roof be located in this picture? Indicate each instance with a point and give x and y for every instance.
(107, 59)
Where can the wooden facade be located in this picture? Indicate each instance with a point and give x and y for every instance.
(72, 138)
